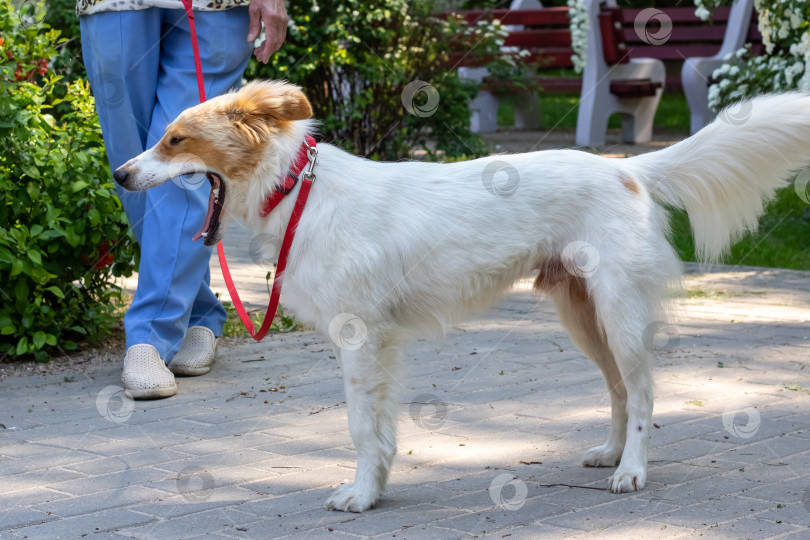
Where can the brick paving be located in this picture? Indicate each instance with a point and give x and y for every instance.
(494, 421)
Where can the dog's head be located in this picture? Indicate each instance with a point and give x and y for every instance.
(227, 139)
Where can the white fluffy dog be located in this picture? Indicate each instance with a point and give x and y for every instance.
(410, 247)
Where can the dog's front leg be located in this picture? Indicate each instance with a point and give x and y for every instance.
(371, 398)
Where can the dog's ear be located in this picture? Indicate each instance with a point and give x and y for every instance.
(260, 106)
(278, 100)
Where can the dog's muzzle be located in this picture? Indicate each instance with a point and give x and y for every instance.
(121, 176)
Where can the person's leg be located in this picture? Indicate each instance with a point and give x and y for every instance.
(121, 52)
(173, 289)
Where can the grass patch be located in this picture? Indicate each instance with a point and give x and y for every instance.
(283, 323)
(781, 240)
(797, 388)
(695, 292)
(559, 111)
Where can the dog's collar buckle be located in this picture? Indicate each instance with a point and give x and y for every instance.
(307, 157)
(312, 159)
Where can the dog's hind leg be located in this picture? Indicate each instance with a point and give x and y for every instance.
(624, 328)
(577, 313)
(370, 380)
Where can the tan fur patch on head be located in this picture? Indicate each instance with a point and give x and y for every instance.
(229, 133)
(628, 182)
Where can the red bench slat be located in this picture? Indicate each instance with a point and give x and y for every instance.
(679, 15)
(671, 52)
(634, 88)
(552, 16)
(551, 57)
(542, 58)
(546, 84)
(529, 39)
(680, 33)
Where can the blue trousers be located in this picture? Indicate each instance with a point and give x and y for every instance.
(141, 68)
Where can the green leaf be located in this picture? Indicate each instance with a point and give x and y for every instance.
(27, 320)
(21, 290)
(33, 192)
(70, 345)
(35, 256)
(36, 230)
(50, 339)
(9, 329)
(94, 216)
(51, 234)
(22, 346)
(30, 171)
(79, 329)
(56, 291)
(40, 275)
(79, 185)
(39, 339)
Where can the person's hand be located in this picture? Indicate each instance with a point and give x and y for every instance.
(274, 15)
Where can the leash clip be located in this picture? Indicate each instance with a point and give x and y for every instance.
(312, 159)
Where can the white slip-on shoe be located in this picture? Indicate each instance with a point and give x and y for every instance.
(196, 354)
(146, 375)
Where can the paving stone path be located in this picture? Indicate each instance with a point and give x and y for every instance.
(494, 421)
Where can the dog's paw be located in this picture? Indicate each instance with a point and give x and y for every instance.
(627, 480)
(602, 456)
(350, 498)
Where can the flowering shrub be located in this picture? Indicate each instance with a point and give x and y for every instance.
(785, 64)
(578, 14)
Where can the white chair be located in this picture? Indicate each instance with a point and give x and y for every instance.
(597, 103)
(697, 72)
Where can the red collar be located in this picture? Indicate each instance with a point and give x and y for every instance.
(286, 185)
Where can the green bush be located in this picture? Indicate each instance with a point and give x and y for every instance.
(61, 15)
(361, 63)
(63, 232)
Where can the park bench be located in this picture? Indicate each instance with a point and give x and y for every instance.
(625, 70)
(545, 34)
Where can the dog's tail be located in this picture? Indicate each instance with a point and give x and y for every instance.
(723, 175)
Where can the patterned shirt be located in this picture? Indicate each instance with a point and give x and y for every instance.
(88, 7)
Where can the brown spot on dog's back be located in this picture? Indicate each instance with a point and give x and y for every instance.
(628, 182)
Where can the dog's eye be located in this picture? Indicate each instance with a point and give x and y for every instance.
(175, 140)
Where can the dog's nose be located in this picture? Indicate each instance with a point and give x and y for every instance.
(121, 176)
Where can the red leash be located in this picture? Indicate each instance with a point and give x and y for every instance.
(306, 154)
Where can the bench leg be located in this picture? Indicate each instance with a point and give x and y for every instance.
(637, 126)
(527, 111)
(484, 117)
(592, 119)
